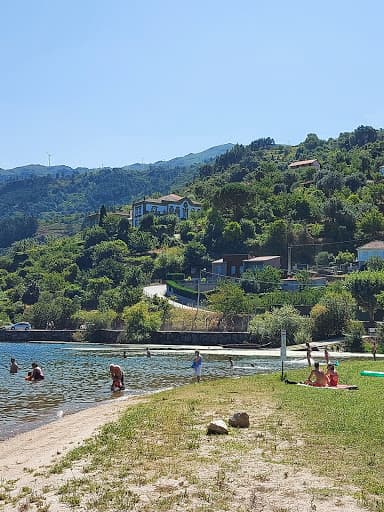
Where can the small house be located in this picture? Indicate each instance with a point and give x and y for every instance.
(369, 250)
(305, 163)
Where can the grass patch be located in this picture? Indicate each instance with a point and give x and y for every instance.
(151, 459)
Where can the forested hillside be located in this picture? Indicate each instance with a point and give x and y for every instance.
(254, 203)
(41, 191)
(257, 204)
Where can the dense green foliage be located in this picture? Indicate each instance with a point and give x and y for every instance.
(254, 203)
(16, 228)
(259, 204)
(42, 191)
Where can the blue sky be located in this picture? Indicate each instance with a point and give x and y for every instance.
(97, 82)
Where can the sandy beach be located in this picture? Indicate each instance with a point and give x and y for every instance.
(25, 461)
(21, 456)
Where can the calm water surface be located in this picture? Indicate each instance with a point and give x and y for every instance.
(76, 377)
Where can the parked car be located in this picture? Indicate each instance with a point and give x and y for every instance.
(20, 326)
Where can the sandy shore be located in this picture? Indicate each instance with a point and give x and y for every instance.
(26, 458)
(41, 446)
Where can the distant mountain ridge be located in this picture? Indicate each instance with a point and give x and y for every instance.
(186, 160)
(46, 191)
(192, 159)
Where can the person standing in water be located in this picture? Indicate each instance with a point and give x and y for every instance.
(326, 356)
(117, 375)
(13, 367)
(148, 353)
(196, 365)
(374, 349)
(309, 352)
(230, 361)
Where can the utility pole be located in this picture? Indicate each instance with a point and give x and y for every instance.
(198, 289)
(289, 260)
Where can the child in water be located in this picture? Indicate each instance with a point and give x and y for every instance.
(14, 367)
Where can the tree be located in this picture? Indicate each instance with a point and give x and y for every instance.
(56, 308)
(364, 287)
(344, 257)
(266, 279)
(31, 294)
(114, 249)
(371, 223)
(268, 326)
(331, 316)
(195, 256)
(139, 242)
(303, 277)
(363, 135)
(232, 198)
(230, 299)
(375, 263)
(102, 215)
(277, 239)
(232, 237)
(140, 322)
(323, 258)
(169, 261)
(329, 181)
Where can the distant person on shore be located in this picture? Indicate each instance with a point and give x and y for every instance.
(230, 361)
(148, 353)
(309, 352)
(374, 349)
(13, 367)
(332, 376)
(196, 365)
(36, 374)
(117, 375)
(326, 356)
(317, 377)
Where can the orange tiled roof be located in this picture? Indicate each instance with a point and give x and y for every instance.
(375, 244)
(302, 163)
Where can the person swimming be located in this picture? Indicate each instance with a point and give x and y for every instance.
(13, 367)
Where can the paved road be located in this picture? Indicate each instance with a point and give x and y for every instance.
(160, 290)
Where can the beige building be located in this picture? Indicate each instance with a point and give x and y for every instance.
(304, 163)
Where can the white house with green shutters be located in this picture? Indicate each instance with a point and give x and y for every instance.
(170, 204)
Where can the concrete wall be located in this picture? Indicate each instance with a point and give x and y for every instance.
(36, 335)
(112, 336)
(200, 338)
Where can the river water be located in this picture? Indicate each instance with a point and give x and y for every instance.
(77, 376)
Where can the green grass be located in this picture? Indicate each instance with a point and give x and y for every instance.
(338, 434)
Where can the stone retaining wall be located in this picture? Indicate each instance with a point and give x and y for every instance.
(111, 336)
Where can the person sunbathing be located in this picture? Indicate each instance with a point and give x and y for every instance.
(332, 376)
(317, 377)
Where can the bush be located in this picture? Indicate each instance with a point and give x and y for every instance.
(175, 276)
(354, 337)
(141, 322)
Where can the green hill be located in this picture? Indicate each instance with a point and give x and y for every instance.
(42, 191)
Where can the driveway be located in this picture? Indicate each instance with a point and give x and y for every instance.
(160, 290)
